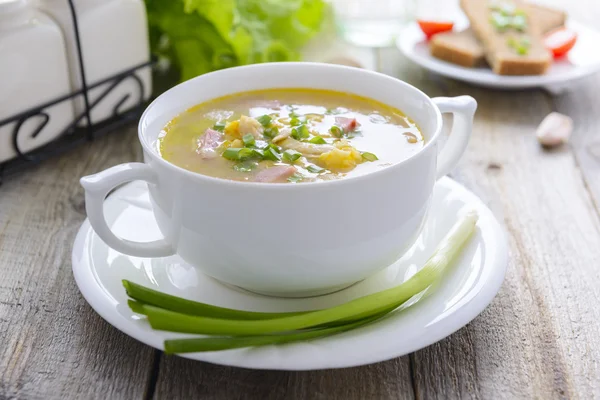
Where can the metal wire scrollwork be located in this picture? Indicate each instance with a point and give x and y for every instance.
(34, 134)
(75, 132)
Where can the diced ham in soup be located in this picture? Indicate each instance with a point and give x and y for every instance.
(279, 173)
(347, 124)
(208, 143)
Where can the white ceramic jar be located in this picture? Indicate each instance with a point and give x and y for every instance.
(114, 38)
(33, 71)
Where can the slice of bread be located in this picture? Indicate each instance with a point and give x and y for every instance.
(500, 54)
(463, 48)
(547, 18)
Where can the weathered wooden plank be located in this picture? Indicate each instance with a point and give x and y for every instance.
(183, 379)
(52, 344)
(582, 103)
(585, 141)
(539, 336)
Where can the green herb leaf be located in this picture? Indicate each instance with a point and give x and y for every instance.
(264, 120)
(295, 178)
(207, 35)
(219, 126)
(301, 132)
(336, 131)
(291, 155)
(314, 169)
(317, 140)
(248, 140)
(369, 156)
(271, 132)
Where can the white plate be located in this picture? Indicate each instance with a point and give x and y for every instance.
(467, 289)
(583, 60)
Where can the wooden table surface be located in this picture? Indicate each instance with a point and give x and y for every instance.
(538, 339)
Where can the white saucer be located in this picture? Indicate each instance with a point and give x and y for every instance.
(468, 288)
(583, 60)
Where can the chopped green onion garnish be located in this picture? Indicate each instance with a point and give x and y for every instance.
(317, 140)
(314, 169)
(295, 178)
(144, 295)
(270, 153)
(335, 111)
(291, 155)
(507, 9)
(519, 22)
(369, 156)
(241, 154)
(245, 166)
(520, 46)
(300, 132)
(499, 21)
(248, 140)
(336, 131)
(258, 153)
(219, 126)
(274, 147)
(295, 121)
(271, 132)
(261, 144)
(264, 120)
(354, 133)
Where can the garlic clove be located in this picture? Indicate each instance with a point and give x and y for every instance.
(554, 130)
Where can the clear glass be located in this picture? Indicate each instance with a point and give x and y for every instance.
(372, 23)
(437, 10)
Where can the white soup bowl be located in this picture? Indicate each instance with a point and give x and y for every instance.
(287, 239)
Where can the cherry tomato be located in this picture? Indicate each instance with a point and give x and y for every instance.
(431, 28)
(560, 41)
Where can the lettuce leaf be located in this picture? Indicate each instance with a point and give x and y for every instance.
(198, 36)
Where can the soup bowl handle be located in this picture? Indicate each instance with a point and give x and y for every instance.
(463, 108)
(98, 186)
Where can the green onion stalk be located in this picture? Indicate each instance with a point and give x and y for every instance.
(238, 328)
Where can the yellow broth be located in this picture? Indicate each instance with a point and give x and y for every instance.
(336, 134)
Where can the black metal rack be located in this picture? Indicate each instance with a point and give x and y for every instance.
(74, 134)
